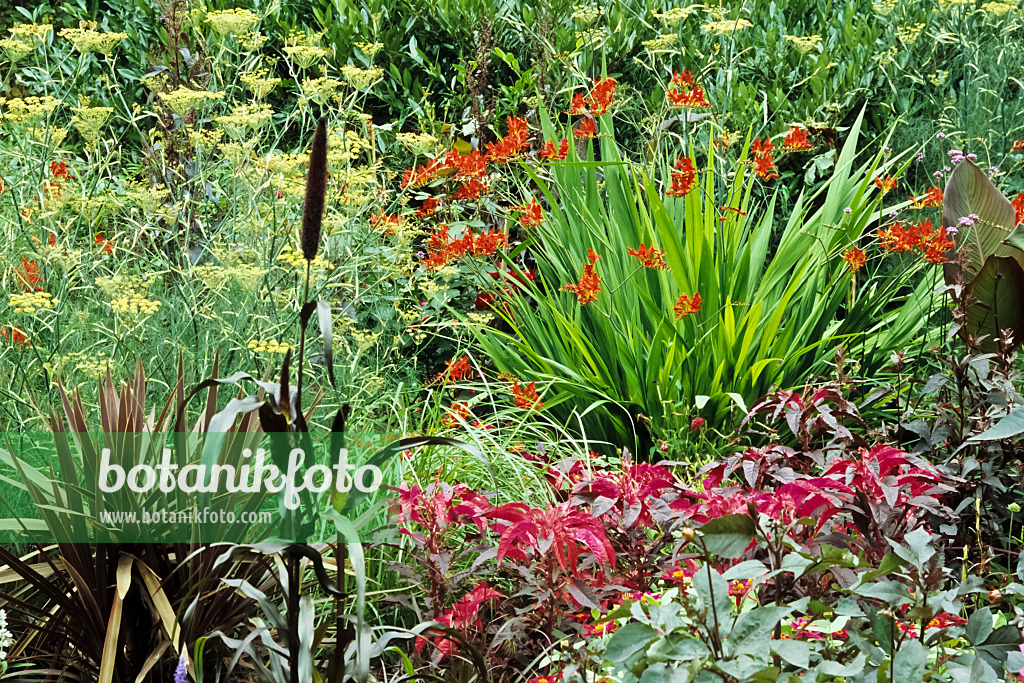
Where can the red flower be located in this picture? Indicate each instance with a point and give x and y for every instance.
(855, 257)
(764, 165)
(687, 94)
(530, 214)
(696, 423)
(428, 207)
(933, 197)
(885, 184)
(589, 285)
(526, 397)
(552, 154)
(421, 175)
(730, 209)
(578, 105)
(472, 165)
(602, 95)
(687, 305)
(511, 144)
(935, 252)
(456, 370)
(60, 171)
(586, 129)
(27, 275)
(648, 256)
(796, 140)
(1018, 207)
(458, 411)
(684, 179)
(1017, 144)
(601, 628)
(14, 335)
(387, 223)
(106, 246)
(470, 190)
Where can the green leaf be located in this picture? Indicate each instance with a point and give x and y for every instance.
(796, 652)
(892, 592)
(1007, 428)
(628, 641)
(753, 629)
(908, 666)
(714, 595)
(979, 626)
(727, 537)
(993, 303)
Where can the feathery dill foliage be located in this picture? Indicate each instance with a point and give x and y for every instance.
(316, 190)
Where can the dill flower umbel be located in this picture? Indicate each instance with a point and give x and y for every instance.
(318, 90)
(232, 21)
(419, 144)
(183, 100)
(369, 49)
(726, 25)
(295, 259)
(30, 302)
(258, 83)
(360, 79)
(269, 346)
(304, 56)
(134, 304)
(86, 38)
(25, 38)
(672, 17)
(804, 44)
(89, 120)
(30, 109)
(244, 119)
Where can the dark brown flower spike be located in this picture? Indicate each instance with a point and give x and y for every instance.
(316, 191)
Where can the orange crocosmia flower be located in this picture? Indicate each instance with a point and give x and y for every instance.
(796, 140)
(885, 184)
(685, 78)
(458, 411)
(693, 98)
(472, 165)
(684, 179)
(687, 305)
(649, 256)
(933, 197)
(456, 370)
(1018, 207)
(855, 257)
(526, 397)
(764, 167)
(14, 335)
(106, 246)
(60, 171)
(935, 252)
(578, 105)
(428, 207)
(730, 209)
(551, 153)
(28, 275)
(589, 285)
(1017, 144)
(421, 175)
(530, 214)
(759, 147)
(470, 190)
(601, 96)
(385, 222)
(586, 129)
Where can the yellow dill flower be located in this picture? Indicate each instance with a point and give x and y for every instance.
(726, 25)
(908, 34)
(244, 119)
(295, 259)
(587, 15)
(318, 90)
(259, 84)
(31, 109)
(997, 8)
(418, 143)
(232, 21)
(134, 305)
(804, 44)
(30, 302)
(672, 17)
(369, 49)
(183, 100)
(360, 79)
(253, 41)
(662, 43)
(269, 346)
(305, 56)
(89, 120)
(86, 38)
